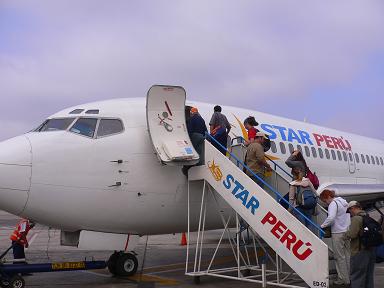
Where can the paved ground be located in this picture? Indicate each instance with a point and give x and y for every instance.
(164, 262)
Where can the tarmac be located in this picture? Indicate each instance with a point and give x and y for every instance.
(163, 265)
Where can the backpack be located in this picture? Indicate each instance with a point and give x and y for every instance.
(305, 198)
(371, 234)
(313, 178)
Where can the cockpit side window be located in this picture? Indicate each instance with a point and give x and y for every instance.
(109, 127)
(85, 126)
(55, 124)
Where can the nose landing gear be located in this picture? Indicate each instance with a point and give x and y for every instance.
(122, 264)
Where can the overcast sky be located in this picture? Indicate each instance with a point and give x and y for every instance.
(319, 60)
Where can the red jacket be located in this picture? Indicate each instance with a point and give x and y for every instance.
(20, 233)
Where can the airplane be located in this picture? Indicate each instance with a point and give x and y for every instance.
(101, 168)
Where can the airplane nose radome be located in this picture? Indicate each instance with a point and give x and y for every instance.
(15, 173)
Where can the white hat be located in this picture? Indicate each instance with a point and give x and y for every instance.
(261, 134)
(353, 203)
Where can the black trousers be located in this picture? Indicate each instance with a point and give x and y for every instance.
(18, 250)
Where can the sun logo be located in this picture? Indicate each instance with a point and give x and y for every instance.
(215, 170)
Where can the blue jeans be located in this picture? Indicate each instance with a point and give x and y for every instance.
(308, 213)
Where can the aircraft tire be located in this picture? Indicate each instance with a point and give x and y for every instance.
(111, 263)
(16, 282)
(126, 264)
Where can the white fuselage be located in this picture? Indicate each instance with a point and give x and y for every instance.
(65, 180)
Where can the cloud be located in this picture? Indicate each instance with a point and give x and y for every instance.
(266, 53)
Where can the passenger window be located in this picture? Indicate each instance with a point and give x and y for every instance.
(321, 153)
(273, 147)
(381, 161)
(300, 148)
(291, 148)
(92, 111)
(110, 126)
(367, 157)
(314, 152)
(362, 158)
(76, 111)
(373, 160)
(85, 126)
(333, 154)
(327, 153)
(350, 157)
(55, 124)
(339, 155)
(307, 152)
(345, 156)
(357, 158)
(282, 148)
(377, 160)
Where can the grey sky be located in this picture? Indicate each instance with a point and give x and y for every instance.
(323, 60)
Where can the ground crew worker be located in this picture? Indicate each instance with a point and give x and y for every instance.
(19, 238)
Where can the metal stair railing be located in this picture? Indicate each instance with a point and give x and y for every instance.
(279, 198)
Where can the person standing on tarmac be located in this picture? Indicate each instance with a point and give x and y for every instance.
(339, 220)
(362, 259)
(19, 238)
(219, 128)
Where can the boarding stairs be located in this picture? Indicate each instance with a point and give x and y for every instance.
(272, 225)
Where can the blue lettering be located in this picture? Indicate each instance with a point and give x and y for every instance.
(238, 186)
(254, 204)
(228, 183)
(268, 129)
(281, 130)
(293, 136)
(305, 137)
(243, 195)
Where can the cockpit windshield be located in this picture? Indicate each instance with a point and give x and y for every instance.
(55, 124)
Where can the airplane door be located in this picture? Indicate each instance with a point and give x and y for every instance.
(167, 126)
(351, 162)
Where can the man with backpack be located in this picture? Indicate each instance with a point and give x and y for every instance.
(365, 235)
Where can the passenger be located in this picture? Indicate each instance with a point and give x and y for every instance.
(219, 129)
(362, 258)
(296, 189)
(249, 124)
(255, 159)
(339, 220)
(19, 238)
(196, 129)
(297, 162)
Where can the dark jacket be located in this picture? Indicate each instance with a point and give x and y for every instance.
(196, 124)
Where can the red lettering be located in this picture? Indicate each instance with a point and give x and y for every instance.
(318, 139)
(305, 254)
(278, 228)
(349, 147)
(337, 142)
(328, 141)
(289, 237)
(270, 218)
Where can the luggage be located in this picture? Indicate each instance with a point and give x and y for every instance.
(313, 178)
(305, 198)
(372, 234)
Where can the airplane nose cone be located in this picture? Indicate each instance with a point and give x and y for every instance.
(15, 173)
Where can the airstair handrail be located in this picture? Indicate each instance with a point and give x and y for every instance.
(274, 162)
(277, 194)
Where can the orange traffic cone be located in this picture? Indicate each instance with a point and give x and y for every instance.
(183, 239)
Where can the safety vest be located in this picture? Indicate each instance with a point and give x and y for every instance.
(16, 235)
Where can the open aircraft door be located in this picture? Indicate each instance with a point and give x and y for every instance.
(167, 127)
(351, 162)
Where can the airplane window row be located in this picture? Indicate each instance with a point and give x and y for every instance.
(84, 126)
(328, 154)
